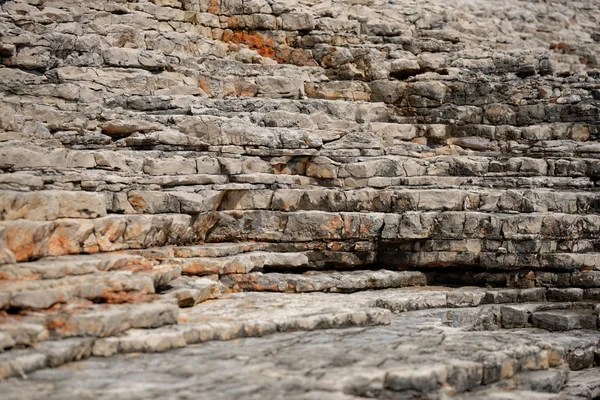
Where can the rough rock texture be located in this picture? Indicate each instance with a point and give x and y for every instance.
(423, 173)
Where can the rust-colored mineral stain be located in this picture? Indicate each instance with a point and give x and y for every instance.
(254, 40)
(61, 243)
(289, 55)
(204, 84)
(366, 227)
(335, 246)
(124, 297)
(563, 47)
(233, 22)
(137, 202)
(21, 243)
(60, 326)
(530, 275)
(332, 225)
(348, 228)
(213, 7)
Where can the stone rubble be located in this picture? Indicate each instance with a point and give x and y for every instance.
(234, 179)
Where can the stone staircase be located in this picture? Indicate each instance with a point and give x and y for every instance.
(163, 162)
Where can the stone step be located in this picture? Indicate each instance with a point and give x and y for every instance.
(19, 362)
(343, 282)
(338, 157)
(247, 315)
(50, 205)
(188, 291)
(502, 394)
(202, 250)
(578, 348)
(328, 113)
(238, 264)
(466, 183)
(251, 314)
(563, 320)
(576, 315)
(365, 199)
(455, 373)
(546, 381)
(109, 287)
(316, 225)
(521, 116)
(583, 383)
(342, 255)
(322, 175)
(511, 308)
(582, 284)
(498, 260)
(425, 181)
(337, 168)
(533, 246)
(23, 240)
(83, 319)
(100, 287)
(62, 266)
(218, 249)
(404, 159)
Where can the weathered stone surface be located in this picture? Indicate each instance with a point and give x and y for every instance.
(163, 161)
(344, 282)
(410, 366)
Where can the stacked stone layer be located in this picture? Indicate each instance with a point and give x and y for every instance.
(157, 154)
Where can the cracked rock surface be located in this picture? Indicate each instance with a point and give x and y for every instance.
(305, 199)
(421, 354)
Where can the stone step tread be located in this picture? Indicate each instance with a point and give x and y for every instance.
(344, 282)
(546, 381)
(50, 204)
(248, 314)
(81, 319)
(71, 265)
(217, 249)
(19, 362)
(520, 315)
(319, 253)
(365, 199)
(157, 340)
(565, 320)
(198, 183)
(221, 249)
(360, 175)
(187, 291)
(151, 165)
(584, 383)
(38, 295)
(238, 264)
(469, 139)
(112, 287)
(508, 301)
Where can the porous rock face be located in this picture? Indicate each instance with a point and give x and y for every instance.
(426, 170)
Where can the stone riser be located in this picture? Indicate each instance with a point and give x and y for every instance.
(491, 260)
(53, 204)
(22, 240)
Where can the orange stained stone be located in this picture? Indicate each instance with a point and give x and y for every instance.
(213, 7)
(21, 242)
